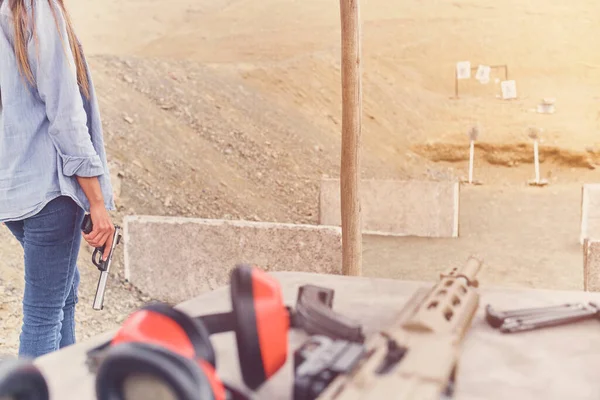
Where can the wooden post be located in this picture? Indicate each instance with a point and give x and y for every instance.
(351, 132)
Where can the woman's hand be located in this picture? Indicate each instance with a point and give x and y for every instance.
(103, 231)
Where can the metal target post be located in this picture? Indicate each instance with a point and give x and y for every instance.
(351, 134)
(535, 135)
(536, 160)
(473, 135)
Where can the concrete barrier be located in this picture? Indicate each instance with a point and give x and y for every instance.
(398, 208)
(175, 259)
(591, 265)
(590, 212)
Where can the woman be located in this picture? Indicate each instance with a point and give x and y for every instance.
(52, 164)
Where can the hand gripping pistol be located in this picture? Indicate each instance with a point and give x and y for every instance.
(102, 265)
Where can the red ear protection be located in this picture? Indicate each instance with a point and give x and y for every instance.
(260, 321)
(170, 328)
(262, 324)
(166, 344)
(187, 378)
(22, 380)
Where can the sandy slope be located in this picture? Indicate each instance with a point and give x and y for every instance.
(290, 48)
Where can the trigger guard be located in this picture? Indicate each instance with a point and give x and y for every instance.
(98, 254)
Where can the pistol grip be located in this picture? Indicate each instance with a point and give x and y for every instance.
(86, 225)
(314, 314)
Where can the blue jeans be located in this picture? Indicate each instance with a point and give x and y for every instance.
(50, 241)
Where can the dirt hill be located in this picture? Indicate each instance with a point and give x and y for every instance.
(242, 98)
(290, 51)
(251, 90)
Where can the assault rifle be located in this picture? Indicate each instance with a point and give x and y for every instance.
(415, 358)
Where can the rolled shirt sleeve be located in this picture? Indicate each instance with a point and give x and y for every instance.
(53, 67)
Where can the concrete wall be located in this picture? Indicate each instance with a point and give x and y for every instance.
(175, 259)
(590, 212)
(402, 208)
(591, 265)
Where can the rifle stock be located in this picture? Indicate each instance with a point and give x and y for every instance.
(418, 355)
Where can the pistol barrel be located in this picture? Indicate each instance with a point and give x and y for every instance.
(99, 298)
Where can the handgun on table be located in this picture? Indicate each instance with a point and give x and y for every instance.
(102, 265)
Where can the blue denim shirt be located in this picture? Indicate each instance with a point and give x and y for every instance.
(50, 133)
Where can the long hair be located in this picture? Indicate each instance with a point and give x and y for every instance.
(21, 24)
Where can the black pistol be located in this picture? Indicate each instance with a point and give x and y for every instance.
(319, 361)
(102, 265)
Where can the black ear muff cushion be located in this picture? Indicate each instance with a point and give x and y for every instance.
(184, 376)
(246, 332)
(194, 328)
(22, 380)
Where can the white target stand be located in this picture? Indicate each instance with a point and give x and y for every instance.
(473, 134)
(534, 134)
